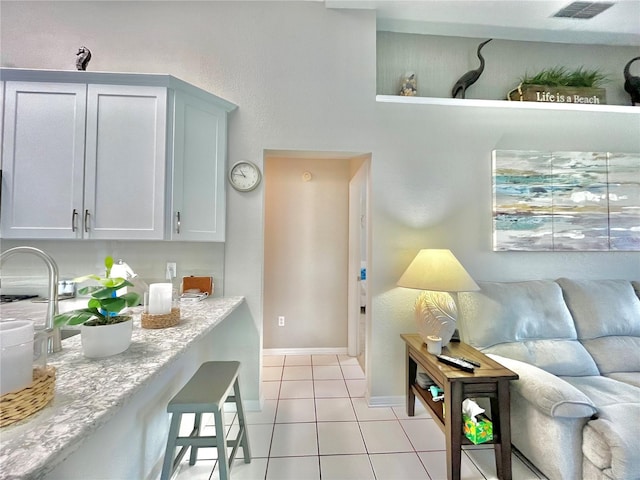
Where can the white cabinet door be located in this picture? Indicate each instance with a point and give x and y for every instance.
(125, 162)
(42, 160)
(198, 177)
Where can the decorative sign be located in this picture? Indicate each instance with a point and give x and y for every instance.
(542, 93)
(558, 201)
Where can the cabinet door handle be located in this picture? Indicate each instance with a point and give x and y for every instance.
(74, 216)
(178, 222)
(86, 221)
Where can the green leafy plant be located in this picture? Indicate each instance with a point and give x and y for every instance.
(562, 77)
(104, 306)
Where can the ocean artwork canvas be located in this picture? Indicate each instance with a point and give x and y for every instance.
(566, 201)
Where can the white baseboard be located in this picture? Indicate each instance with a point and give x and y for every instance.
(305, 351)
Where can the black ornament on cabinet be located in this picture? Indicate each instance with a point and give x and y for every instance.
(471, 77)
(632, 83)
(82, 58)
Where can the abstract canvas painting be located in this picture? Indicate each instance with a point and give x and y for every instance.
(562, 201)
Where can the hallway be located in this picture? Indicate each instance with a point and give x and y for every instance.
(316, 425)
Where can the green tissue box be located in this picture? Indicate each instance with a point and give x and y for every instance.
(480, 432)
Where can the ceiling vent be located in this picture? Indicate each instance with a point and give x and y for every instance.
(583, 10)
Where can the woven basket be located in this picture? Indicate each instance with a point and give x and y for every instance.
(18, 405)
(160, 321)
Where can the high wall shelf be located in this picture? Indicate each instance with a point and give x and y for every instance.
(458, 102)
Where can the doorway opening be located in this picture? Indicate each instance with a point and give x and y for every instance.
(316, 252)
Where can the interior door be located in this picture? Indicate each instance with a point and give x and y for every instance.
(358, 228)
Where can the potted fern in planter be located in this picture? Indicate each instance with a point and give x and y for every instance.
(104, 330)
(560, 85)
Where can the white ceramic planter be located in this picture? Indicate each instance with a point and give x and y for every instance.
(105, 340)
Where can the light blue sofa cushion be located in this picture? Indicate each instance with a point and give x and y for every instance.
(615, 354)
(602, 307)
(607, 319)
(528, 321)
(632, 378)
(559, 357)
(604, 391)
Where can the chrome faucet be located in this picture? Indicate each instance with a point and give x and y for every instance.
(54, 343)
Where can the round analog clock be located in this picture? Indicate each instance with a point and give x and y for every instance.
(244, 176)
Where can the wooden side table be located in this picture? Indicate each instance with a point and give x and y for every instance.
(489, 380)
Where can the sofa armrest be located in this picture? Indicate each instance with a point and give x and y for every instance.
(548, 393)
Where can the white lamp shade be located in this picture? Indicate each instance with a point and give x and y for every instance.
(437, 270)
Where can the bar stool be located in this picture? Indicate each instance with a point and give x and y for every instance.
(206, 392)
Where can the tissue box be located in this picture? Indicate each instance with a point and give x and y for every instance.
(480, 432)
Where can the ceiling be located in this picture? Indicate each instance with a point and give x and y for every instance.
(529, 20)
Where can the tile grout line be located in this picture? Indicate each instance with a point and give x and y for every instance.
(275, 416)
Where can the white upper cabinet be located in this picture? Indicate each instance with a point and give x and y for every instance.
(198, 176)
(43, 160)
(111, 156)
(125, 162)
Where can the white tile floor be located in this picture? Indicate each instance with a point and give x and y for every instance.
(316, 425)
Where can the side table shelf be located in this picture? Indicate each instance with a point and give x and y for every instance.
(433, 407)
(489, 380)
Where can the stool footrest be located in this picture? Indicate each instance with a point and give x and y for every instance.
(205, 442)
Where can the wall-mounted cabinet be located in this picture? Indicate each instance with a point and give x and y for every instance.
(197, 186)
(111, 156)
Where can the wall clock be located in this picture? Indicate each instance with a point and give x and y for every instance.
(244, 176)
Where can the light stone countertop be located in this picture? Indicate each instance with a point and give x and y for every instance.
(91, 391)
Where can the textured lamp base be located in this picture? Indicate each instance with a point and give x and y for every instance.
(435, 314)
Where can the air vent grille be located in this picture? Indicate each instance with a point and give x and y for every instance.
(583, 10)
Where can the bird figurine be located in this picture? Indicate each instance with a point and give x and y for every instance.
(471, 77)
(632, 83)
(82, 58)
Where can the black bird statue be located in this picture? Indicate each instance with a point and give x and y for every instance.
(471, 76)
(632, 83)
(82, 58)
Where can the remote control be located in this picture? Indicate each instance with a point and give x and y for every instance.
(456, 362)
(468, 360)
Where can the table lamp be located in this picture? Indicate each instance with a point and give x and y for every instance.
(437, 272)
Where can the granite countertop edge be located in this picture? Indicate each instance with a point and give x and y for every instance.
(85, 402)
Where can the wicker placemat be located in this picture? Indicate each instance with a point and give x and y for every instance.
(160, 321)
(18, 405)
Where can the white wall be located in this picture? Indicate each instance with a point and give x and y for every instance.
(306, 252)
(304, 79)
(28, 274)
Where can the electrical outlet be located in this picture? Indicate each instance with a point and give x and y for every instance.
(281, 321)
(172, 268)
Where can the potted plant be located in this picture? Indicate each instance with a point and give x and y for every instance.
(104, 330)
(561, 85)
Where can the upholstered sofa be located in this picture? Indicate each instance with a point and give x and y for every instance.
(575, 344)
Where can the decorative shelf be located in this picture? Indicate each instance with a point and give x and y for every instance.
(458, 102)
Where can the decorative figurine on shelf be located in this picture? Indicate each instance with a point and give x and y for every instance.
(470, 77)
(82, 58)
(408, 85)
(632, 83)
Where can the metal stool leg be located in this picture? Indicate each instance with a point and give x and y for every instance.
(174, 429)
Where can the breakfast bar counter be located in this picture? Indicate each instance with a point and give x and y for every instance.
(108, 417)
